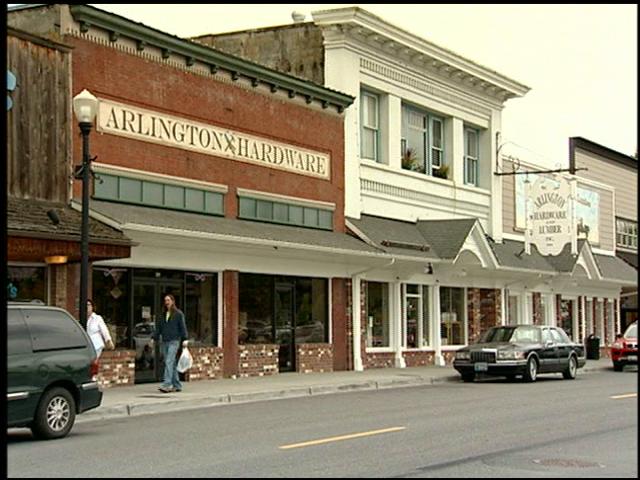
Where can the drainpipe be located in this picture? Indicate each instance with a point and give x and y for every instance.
(356, 314)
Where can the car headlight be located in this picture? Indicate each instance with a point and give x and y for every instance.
(510, 355)
(463, 356)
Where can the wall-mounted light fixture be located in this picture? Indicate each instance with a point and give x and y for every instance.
(55, 259)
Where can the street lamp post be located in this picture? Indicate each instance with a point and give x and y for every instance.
(85, 107)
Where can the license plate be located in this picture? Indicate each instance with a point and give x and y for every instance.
(632, 358)
(480, 367)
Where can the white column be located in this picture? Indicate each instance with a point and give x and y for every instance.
(504, 304)
(583, 317)
(392, 132)
(396, 322)
(356, 316)
(454, 149)
(618, 327)
(435, 315)
(342, 73)
(494, 182)
(553, 321)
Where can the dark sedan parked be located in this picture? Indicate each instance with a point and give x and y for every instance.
(525, 350)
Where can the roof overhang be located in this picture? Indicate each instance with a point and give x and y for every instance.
(476, 249)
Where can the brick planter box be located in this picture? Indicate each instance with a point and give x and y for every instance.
(314, 357)
(419, 358)
(117, 368)
(257, 360)
(207, 364)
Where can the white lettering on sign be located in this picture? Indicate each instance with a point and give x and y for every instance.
(149, 126)
(549, 221)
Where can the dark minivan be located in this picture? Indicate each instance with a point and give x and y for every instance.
(51, 370)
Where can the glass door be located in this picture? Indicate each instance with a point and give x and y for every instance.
(145, 315)
(148, 311)
(284, 326)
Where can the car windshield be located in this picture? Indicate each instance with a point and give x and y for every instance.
(512, 334)
(632, 331)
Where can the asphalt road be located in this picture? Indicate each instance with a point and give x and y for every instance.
(493, 428)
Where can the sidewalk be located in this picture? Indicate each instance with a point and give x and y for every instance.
(144, 399)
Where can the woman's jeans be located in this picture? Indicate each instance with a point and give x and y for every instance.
(170, 350)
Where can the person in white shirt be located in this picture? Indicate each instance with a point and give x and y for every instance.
(97, 330)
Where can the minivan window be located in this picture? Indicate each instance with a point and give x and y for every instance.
(54, 330)
(18, 340)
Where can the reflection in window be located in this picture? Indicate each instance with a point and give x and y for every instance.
(452, 316)
(111, 300)
(201, 309)
(416, 311)
(257, 308)
(311, 310)
(255, 324)
(377, 308)
(566, 317)
(26, 284)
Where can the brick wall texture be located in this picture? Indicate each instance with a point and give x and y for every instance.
(257, 360)
(314, 357)
(419, 358)
(117, 368)
(207, 363)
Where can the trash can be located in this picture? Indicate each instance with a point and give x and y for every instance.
(593, 347)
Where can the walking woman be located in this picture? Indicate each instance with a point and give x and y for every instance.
(97, 330)
(173, 331)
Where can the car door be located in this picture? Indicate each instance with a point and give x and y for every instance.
(22, 397)
(549, 353)
(564, 348)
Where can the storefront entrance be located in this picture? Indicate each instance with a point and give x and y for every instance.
(284, 325)
(148, 308)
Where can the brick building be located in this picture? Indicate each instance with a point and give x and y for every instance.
(228, 179)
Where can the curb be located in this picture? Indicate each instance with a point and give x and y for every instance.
(171, 405)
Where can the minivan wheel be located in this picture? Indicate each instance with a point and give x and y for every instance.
(531, 373)
(55, 415)
(572, 368)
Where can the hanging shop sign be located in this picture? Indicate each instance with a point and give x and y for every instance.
(149, 126)
(549, 214)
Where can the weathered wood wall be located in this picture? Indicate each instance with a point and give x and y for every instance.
(39, 123)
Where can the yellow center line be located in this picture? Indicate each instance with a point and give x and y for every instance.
(340, 438)
(627, 395)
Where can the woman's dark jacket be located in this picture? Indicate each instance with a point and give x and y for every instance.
(172, 329)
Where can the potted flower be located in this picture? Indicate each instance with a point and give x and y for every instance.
(410, 161)
(442, 172)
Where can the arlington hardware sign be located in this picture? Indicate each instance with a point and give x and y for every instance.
(149, 126)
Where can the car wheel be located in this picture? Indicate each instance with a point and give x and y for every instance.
(531, 373)
(55, 415)
(617, 366)
(572, 369)
(468, 377)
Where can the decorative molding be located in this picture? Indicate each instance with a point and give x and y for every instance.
(424, 199)
(405, 79)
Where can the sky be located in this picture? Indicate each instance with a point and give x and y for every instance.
(580, 61)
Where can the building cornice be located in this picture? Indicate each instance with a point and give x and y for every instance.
(88, 17)
(357, 23)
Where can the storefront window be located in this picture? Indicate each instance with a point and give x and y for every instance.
(255, 324)
(377, 308)
(566, 316)
(311, 310)
(416, 310)
(111, 300)
(305, 310)
(452, 316)
(201, 309)
(26, 284)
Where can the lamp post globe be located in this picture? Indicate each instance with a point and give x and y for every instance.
(85, 107)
